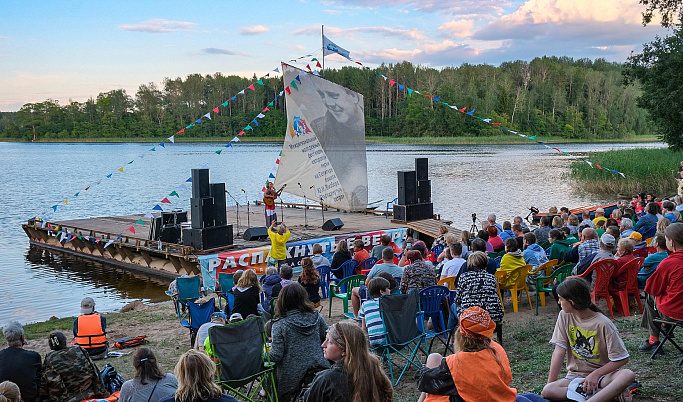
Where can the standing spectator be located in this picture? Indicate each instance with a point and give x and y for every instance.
(19, 365)
(149, 383)
(278, 243)
(318, 259)
(90, 329)
(310, 280)
(417, 275)
(196, 373)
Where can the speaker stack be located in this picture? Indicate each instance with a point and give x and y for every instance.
(414, 193)
(209, 228)
(167, 226)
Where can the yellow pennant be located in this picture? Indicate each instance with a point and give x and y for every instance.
(121, 169)
(66, 201)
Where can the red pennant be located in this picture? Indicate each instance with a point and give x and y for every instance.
(598, 166)
(557, 150)
(87, 188)
(391, 83)
(265, 110)
(241, 133)
(165, 201)
(263, 189)
(317, 64)
(289, 92)
(181, 131)
(496, 124)
(215, 110)
(277, 162)
(252, 87)
(131, 229)
(308, 66)
(462, 110)
(359, 63)
(428, 96)
(97, 241)
(49, 226)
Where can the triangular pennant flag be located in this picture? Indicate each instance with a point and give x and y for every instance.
(76, 195)
(288, 91)
(54, 208)
(496, 124)
(255, 122)
(171, 139)
(293, 83)
(109, 243)
(400, 87)
(153, 149)
(241, 92)
(181, 131)
(308, 66)
(418, 92)
(252, 87)
(149, 215)
(317, 64)
(598, 166)
(131, 162)
(280, 94)
(205, 166)
(260, 82)
(277, 70)
(391, 83)
(109, 175)
(157, 208)
(224, 104)
(533, 137)
(277, 162)
(622, 175)
(219, 151)
(298, 79)
(189, 180)
(119, 236)
(462, 110)
(316, 73)
(248, 127)
(208, 115)
(271, 176)
(139, 222)
(436, 98)
(216, 109)
(228, 145)
(269, 104)
(261, 115)
(471, 112)
(314, 59)
(198, 120)
(182, 187)
(174, 193)
(120, 169)
(87, 188)
(241, 133)
(410, 92)
(66, 201)
(235, 139)
(233, 98)
(165, 201)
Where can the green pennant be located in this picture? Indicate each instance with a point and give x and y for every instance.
(410, 92)
(444, 103)
(270, 103)
(76, 195)
(174, 193)
(153, 149)
(191, 125)
(314, 59)
(248, 127)
(532, 137)
(219, 151)
(139, 221)
(293, 84)
(224, 104)
(260, 82)
(79, 237)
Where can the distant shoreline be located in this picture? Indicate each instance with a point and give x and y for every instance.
(498, 140)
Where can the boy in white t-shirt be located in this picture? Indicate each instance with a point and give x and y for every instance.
(594, 350)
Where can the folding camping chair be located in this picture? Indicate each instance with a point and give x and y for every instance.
(403, 337)
(242, 367)
(668, 326)
(189, 290)
(198, 314)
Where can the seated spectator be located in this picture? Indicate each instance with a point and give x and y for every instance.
(18, 365)
(298, 331)
(491, 265)
(286, 275)
(149, 383)
(670, 212)
(386, 264)
(476, 287)
(69, 374)
(665, 288)
(385, 243)
(507, 231)
(217, 318)
(318, 259)
(9, 392)
(420, 246)
(614, 231)
(511, 261)
(647, 225)
(495, 240)
(552, 211)
(474, 348)
(559, 245)
(465, 243)
(638, 241)
(517, 220)
(588, 246)
(310, 280)
(556, 223)
(491, 220)
(617, 215)
(371, 321)
(417, 275)
(600, 228)
(606, 248)
(652, 261)
(484, 235)
(360, 254)
(440, 239)
(90, 330)
(393, 283)
(661, 226)
(534, 254)
(268, 282)
(592, 346)
(541, 233)
(586, 219)
(599, 216)
(454, 266)
(340, 257)
(356, 374)
(624, 255)
(567, 236)
(573, 224)
(195, 373)
(247, 294)
(518, 231)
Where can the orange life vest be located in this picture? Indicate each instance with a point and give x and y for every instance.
(90, 333)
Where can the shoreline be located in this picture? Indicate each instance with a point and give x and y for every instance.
(497, 140)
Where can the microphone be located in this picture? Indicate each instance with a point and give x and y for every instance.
(299, 184)
(243, 191)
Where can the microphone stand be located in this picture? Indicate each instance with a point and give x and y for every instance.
(238, 212)
(305, 206)
(248, 212)
(322, 209)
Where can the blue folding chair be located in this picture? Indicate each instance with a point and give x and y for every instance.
(349, 268)
(199, 314)
(430, 304)
(324, 271)
(188, 291)
(367, 264)
(226, 284)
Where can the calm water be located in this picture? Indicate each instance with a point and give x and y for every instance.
(504, 179)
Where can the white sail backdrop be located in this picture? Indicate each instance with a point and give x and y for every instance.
(323, 155)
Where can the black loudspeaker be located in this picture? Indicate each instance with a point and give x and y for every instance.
(202, 212)
(155, 225)
(208, 238)
(200, 183)
(407, 187)
(333, 224)
(220, 217)
(422, 168)
(170, 234)
(257, 233)
(173, 218)
(424, 191)
(416, 212)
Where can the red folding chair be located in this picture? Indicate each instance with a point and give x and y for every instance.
(603, 271)
(629, 288)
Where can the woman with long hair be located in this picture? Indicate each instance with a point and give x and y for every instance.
(196, 375)
(247, 294)
(356, 374)
(340, 256)
(150, 383)
(9, 392)
(297, 332)
(310, 280)
(417, 274)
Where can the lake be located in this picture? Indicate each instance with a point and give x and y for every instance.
(466, 179)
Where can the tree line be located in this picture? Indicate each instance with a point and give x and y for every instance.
(556, 96)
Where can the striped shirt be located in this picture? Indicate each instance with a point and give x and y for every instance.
(373, 321)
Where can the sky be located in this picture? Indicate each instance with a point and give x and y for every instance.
(74, 50)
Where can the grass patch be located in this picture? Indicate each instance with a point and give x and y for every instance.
(650, 170)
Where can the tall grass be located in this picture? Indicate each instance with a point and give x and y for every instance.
(649, 170)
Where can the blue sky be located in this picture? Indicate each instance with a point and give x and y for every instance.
(77, 49)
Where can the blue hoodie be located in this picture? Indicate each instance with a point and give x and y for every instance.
(535, 255)
(268, 283)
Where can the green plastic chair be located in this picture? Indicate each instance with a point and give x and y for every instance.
(545, 283)
(496, 255)
(343, 291)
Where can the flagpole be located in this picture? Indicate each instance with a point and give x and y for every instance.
(322, 38)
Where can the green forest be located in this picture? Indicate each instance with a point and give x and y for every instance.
(548, 96)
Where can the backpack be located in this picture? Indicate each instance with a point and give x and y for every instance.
(111, 378)
(129, 342)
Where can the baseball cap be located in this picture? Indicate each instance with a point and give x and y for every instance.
(600, 210)
(636, 236)
(607, 239)
(87, 305)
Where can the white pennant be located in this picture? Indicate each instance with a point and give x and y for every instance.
(241, 92)
(235, 139)
(261, 115)
(208, 115)
(109, 243)
(172, 139)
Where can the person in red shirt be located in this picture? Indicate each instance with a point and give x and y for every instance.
(360, 254)
(665, 288)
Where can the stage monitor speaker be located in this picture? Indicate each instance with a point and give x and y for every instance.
(407, 187)
(200, 183)
(416, 212)
(202, 212)
(220, 217)
(170, 234)
(422, 168)
(333, 224)
(208, 238)
(424, 191)
(257, 233)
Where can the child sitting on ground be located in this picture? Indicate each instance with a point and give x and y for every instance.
(369, 311)
(595, 353)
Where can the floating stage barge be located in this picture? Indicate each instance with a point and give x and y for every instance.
(88, 238)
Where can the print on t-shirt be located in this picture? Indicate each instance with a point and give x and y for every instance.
(583, 343)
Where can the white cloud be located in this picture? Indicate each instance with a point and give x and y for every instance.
(159, 26)
(399, 33)
(254, 30)
(227, 52)
(460, 28)
(333, 12)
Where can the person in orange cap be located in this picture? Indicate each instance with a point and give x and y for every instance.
(474, 348)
